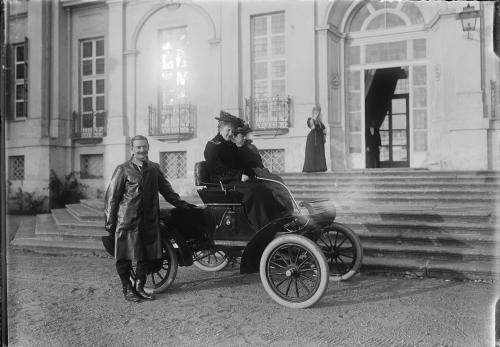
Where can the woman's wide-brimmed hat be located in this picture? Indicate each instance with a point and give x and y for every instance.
(244, 129)
(227, 117)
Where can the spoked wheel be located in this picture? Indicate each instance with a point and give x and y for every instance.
(210, 260)
(164, 271)
(294, 271)
(342, 249)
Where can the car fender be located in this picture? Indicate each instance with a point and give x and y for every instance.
(250, 259)
(184, 253)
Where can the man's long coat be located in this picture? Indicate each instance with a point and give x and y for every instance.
(132, 209)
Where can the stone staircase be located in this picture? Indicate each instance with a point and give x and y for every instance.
(411, 221)
(76, 229)
(415, 222)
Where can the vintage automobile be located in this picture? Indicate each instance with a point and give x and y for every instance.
(296, 254)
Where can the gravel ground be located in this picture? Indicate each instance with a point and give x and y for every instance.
(76, 301)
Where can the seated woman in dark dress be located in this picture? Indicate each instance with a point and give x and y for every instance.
(223, 165)
(251, 161)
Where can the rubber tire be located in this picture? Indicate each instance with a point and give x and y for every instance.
(173, 266)
(356, 242)
(218, 267)
(314, 250)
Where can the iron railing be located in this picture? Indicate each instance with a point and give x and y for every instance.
(88, 125)
(172, 120)
(271, 113)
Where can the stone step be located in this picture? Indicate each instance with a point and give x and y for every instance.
(393, 172)
(96, 205)
(65, 219)
(47, 228)
(84, 213)
(466, 240)
(438, 192)
(473, 270)
(421, 215)
(354, 199)
(392, 178)
(393, 184)
(430, 229)
(59, 247)
(418, 252)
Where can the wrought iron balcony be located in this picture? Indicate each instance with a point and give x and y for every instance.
(269, 115)
(88, 126)
(173, 122)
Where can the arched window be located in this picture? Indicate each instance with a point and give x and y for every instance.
(378, 15)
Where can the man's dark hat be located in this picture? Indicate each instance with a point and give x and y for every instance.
(244, 129)
(227, 117)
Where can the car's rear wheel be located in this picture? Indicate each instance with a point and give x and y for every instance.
(294, 271)
(342, 249)
(210, 260)
(164, 271)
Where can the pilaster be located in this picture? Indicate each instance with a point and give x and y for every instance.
(115, 140)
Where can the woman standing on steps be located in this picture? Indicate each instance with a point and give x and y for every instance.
(315, 145)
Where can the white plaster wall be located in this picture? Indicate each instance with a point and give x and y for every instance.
(457, 129)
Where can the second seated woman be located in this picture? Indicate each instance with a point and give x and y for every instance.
(251, 161)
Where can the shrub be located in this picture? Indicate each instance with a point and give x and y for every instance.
(99, 193)
(34, 203)
(65, 192)
(31, 203)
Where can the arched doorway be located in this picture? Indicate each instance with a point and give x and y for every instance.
(384, 65)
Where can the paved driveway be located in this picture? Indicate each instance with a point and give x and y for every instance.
(76, 301)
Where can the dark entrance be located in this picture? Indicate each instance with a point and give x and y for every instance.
(386, 111)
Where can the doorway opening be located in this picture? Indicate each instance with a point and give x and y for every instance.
(387, 117)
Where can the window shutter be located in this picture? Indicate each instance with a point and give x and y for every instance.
(26, 58)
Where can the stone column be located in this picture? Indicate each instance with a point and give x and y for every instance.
(115, 141)
(39, 67)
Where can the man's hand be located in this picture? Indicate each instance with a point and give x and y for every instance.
(368, 149)
(244, 178)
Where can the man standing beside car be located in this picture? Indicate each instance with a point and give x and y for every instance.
(131, 208)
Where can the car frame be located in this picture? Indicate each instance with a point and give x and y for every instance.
(296, 254)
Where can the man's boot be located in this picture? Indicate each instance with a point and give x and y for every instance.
(129, 293)
(139, 288)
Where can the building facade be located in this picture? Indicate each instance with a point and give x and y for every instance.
(86, 76)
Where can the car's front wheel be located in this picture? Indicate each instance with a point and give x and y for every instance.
(294, 271)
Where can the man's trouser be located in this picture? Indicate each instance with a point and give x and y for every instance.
(124, 268)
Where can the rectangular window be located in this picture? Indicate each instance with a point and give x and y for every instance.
(386, 51)
(91, 165)
(174, 74)
(173, 164)
(419, 48)
(419, 105)
(353, 103)
(16, 167)
(353, 55)
(20, 73)
(93, 86)
(273, 159)
(268, 55)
